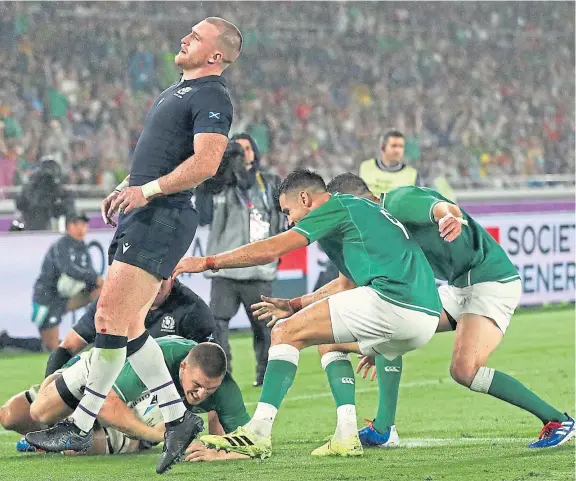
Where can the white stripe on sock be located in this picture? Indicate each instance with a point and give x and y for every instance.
(284, 352)
(148, 363)
(105, 365)
(482, 380)
(333, 356)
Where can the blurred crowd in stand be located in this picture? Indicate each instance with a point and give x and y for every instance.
(482, 91)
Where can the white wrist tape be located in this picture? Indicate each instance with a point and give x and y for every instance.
(122, 185)
(461, 220)
(151, 188)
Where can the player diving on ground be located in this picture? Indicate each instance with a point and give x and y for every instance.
(130, 419)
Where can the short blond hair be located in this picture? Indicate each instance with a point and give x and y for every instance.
(230, 39)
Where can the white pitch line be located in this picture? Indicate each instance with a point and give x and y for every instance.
(305, 397)
(412, 442)
(432, 382)
(432, 442)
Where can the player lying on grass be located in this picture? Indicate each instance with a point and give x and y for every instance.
(16, 415)
(482, 293)
(176, 310)
(198, 371)
(392, 306)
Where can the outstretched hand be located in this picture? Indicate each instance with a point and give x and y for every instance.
(272, 307)
(366, 364)
(190, 264)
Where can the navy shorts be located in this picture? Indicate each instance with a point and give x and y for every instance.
(154, 237)
(48, 315)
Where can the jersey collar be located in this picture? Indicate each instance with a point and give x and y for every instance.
(393, 168)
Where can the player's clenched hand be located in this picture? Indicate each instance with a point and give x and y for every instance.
(105, 208)
(129, 199)
(450, 227)
(190, 264)
(365, 364)
(272, 307)
(199, 452)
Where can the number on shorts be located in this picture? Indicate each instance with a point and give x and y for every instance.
(395, 221)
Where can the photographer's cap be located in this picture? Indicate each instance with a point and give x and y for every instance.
(76, 216)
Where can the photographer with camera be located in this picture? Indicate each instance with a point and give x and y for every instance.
(43, 198)
(240, 205)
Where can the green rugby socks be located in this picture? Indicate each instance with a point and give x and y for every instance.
(280, 374)
(341, 379)
(505, 387)
(389, 374)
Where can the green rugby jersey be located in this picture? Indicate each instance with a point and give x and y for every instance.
(472, 258)
(226, 401)
(370, 247)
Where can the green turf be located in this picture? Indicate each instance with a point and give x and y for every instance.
(454, 434)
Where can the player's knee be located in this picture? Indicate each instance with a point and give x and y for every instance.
(103, 319)
(279, 335)
(463, 372)
(283, 335)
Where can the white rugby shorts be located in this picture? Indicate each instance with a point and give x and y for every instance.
(379, 327)
(495, 300)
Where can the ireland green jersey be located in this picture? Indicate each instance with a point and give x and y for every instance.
(472, 258)
(226, 401)
(371, 248)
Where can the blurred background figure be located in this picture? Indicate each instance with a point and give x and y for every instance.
(67, 280)
(387, 170)
(240, 204)
(43, 197)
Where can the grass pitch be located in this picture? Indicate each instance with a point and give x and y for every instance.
(446, 431)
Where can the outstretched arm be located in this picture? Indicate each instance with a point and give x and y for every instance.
(256, 254)
(276, 308)
(117, 414)
(340, 284)
(197, 452)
